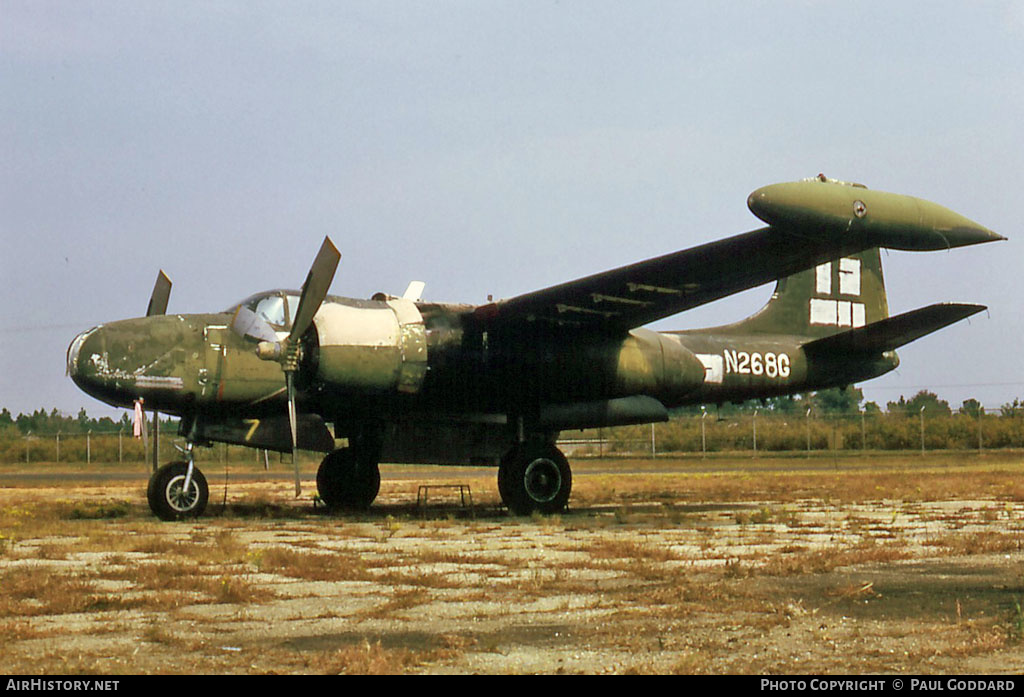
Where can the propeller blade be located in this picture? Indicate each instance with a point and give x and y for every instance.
(248, 324)
(161, 294)
(314, 290)
(289, 377)
(414, 291)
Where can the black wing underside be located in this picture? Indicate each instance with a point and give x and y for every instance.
(634, 295)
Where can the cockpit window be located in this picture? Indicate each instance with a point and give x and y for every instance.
(293, 305)
(272, 309)
(276, 307)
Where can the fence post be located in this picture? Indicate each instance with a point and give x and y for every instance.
(120, 432)
(754, 420)
(156, 440)
(58, 446)
(28, 435)
(808, 433)
(88, 447)
(703, 438)
(922, 431)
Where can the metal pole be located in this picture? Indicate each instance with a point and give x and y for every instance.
(808, 433)
(981, 412)
(755, 432)
(58, 446)
(703, 438)
(88, 447)
(863, 433)
(653, 450)
(27, 456)
(922, 431)
(120, 452)
(156, 440)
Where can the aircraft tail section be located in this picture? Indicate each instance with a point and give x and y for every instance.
(843, 294)
(891, 333)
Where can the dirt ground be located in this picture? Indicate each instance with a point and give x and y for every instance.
(673, 567)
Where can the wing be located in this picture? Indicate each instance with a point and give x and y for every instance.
(634, 295)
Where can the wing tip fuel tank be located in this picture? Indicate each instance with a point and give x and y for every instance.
(896, 221)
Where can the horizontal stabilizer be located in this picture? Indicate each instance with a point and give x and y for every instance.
(891, 333)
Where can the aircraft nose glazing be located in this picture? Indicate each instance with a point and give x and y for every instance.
(74, 350)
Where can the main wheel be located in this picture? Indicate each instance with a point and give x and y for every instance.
(169, 499)
(535, 478)
(346, 480)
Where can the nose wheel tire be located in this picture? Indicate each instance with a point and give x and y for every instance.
(169, 499)
(535, 479)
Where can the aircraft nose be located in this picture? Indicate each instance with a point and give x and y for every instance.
(74, 351)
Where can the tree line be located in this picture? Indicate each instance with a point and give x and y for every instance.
(55, 421)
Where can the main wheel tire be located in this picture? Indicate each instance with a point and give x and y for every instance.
(167, 496)
(535, 479)
(345, 480)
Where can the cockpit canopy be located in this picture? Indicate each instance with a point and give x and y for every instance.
(276, 307)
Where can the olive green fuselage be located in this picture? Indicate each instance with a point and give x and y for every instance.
(195, 364)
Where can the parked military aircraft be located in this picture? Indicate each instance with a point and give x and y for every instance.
(403, 380)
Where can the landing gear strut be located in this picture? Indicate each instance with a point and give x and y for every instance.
(534, 477)
(348, 478)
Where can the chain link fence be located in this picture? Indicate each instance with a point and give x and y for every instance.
(754, 433)
(747, 432)
(118, 447)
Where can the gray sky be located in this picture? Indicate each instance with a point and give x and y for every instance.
(486, 147)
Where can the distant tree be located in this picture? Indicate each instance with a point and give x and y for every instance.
(838, 401)
(971, 407)
(1012, 408)
(933, 406)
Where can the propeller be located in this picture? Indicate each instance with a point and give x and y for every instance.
(157, 306)
(287, 351)
(161, 294)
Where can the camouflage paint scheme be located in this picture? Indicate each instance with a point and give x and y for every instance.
(412, 381)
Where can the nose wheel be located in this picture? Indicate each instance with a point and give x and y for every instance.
(178, 490)
(534, 478)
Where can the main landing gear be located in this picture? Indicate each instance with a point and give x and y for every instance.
(534, 478)
(348, 478)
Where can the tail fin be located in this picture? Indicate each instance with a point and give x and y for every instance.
(835, 296)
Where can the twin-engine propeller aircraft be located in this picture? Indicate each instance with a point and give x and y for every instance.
(408, 381)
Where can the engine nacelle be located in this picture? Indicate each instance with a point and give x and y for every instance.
(377, 348)
(656, 364)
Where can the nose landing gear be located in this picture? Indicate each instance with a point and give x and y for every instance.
(178, 490)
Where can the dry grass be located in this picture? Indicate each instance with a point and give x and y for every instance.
(666, 572)
(311, 566)
(987, 542)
